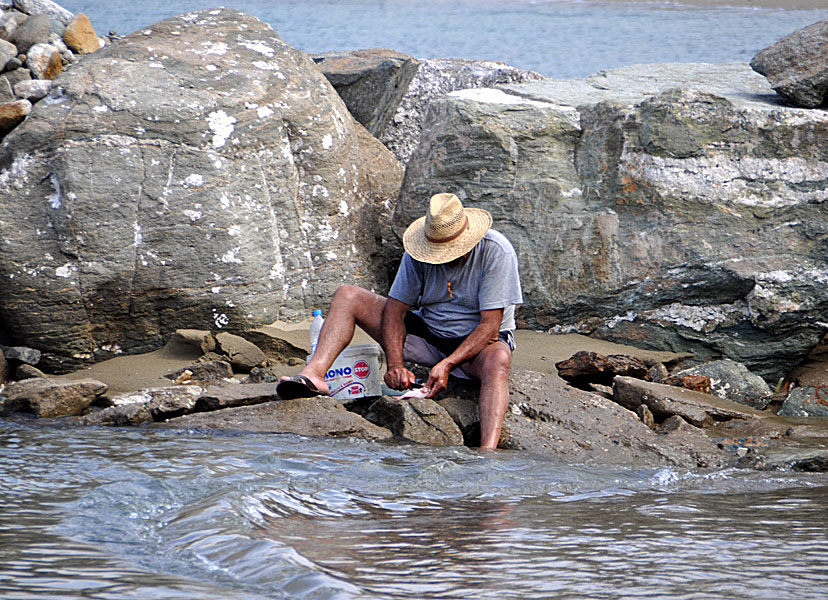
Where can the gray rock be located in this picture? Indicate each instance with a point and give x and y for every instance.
(7, 52)
(229, 395)
(372, 83)
(121, 415)
(33, 90)
(797, 65)
(211, 370)
(43, 60)
(25, 371)
(46, 7)
(549, 418)
(9, 22)
(29, 356)
(665, 401)
(806, 401)
(733, 381)
(435, 77)
(4, 368)
(34, 30)
(6, 91)
(242, 354)
(464, 411)
(318, 417)
(16, 76)
(206, 176)
(275, 347)
(13, 64)
(51, 397)
(644, 214)
(419, 420)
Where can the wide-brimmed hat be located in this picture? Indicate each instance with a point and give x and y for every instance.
(447, 232)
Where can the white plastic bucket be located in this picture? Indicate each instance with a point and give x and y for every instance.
(355, 373)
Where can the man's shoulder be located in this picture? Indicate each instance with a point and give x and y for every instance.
(496, 240)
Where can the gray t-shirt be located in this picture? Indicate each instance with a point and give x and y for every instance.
(487, 279)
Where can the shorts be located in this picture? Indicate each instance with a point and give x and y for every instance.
(424, 347)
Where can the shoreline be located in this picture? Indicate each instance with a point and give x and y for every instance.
(758, 4)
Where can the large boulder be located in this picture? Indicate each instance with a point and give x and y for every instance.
(389, 92)
(663, 206)
(197, 173)
(797, 65)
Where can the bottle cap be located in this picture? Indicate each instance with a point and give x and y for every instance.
(317, 312)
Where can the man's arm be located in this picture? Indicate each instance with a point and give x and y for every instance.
(484, 334)
(393, 336)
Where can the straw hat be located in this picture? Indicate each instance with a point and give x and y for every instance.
(447, 232)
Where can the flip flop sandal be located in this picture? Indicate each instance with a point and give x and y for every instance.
(297, 386)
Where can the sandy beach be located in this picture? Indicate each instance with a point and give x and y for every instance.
(535, 350)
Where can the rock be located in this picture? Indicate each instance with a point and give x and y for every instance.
(34, 30)
(646, 416)
(372, 83)
(319, 417)
(199, 149)
(228, 395)
(697, 383)
(33, 90)
(46, 7)
(196, 338)
(29, 356)
(9, 22)
(80, 36)
(213, 370)
(797, 65)
(121, 415)
(6, 92)
(664, 401)
(12, 114)
(8, 51)
(813, 371)
(680, 435)
(550, 418)
(275, 348)
(25, 371)
(464, 412)
(590, 367)
(732, 380)
(4, 368)
(43, 60)
(806, 401)
(418, 420)
(16, 76)
(242, 354)
(601, 184)
(51, 397)
(435, 77)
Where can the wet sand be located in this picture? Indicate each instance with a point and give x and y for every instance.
(535, 351)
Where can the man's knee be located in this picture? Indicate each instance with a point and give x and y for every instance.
(495, 362)
(349, 294)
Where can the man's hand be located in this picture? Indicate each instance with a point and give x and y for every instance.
(399, 378)
(438, 378)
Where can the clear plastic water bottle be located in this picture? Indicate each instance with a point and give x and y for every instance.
(315, 328)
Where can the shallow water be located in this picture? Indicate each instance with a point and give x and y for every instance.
(558, 38)
(138, 513)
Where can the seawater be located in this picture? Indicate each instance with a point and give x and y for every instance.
(557, 38)
(152, 513)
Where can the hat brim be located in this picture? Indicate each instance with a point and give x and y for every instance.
(420, 248)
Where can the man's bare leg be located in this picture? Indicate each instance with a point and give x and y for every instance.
(350, 306)
(491, 367)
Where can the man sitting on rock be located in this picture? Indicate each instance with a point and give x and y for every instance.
(462, 277)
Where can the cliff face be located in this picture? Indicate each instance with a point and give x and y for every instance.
(667, 206)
